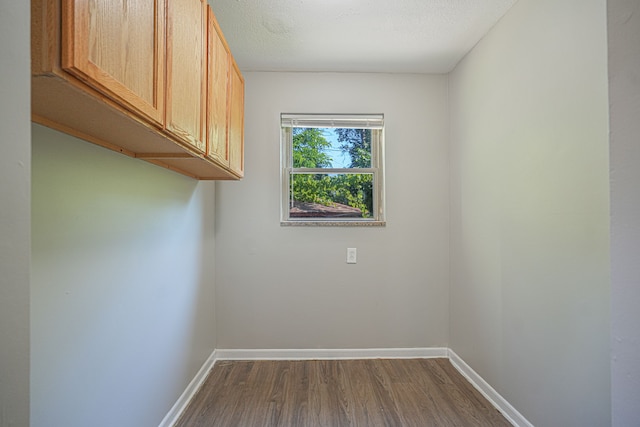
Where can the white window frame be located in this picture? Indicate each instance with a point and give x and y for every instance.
(357, 121)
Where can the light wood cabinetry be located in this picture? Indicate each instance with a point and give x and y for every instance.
(120, 52)
(218, 93)
(225, 120)
(236, 122)
(187, 71)
(132, 76)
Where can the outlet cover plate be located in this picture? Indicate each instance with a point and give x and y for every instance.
(352, 255)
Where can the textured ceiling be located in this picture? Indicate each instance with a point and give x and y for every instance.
(414, 36)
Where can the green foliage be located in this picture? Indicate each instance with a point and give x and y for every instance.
(354, 190)
(308, 149)
(356, 142)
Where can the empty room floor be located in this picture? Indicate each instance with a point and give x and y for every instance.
(364, 392)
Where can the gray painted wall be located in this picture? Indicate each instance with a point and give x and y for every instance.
(15, 179)
(530, 211)
(14, 221)
(289, 287)
(122, 291)
(624, 98)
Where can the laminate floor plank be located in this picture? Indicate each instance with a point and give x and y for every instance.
(467, 399)
(336, 393)
(419, 400)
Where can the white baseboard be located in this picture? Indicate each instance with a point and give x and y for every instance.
(335, 354)
(172, 416)
(500, 403)
(510, 413)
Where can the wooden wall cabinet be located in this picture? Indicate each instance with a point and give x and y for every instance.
(225, 105)
(218, 57)
(187, 71)
(121, 53)
(132, 76)
(236, 121)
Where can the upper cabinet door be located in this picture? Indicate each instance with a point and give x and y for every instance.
(118, 48)
(186, 71)
(217, 93)
(236, 122)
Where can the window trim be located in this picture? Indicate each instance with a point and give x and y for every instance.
(357, 121)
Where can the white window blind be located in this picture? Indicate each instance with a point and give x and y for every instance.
(344, 121)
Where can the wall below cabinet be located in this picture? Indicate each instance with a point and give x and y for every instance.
(132, 94)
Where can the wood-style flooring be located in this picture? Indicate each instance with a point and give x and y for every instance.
(368, 392)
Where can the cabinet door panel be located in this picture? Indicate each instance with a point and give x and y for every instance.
(236, 122)
(186, 75)
(118, 48)
(217, 93)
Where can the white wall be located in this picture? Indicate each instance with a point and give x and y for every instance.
(289, 287)
(122, 285)
(530, 285)
(624, 98)
(530, 270)
(15, 170)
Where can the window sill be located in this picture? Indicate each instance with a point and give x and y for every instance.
(311, 223)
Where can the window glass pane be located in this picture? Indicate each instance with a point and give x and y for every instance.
(319, 195)
(331, 148)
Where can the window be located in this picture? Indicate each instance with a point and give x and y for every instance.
(332, 169)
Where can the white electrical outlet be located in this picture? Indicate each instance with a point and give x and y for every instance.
(352, 256)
